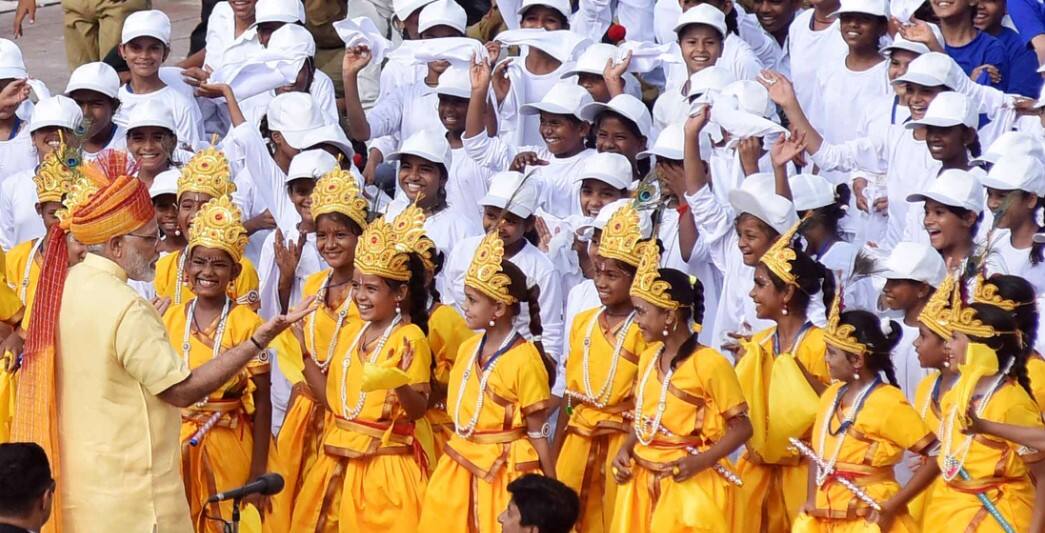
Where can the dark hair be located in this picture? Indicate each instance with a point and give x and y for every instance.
(811, 276)
(772, 232)
(690, 293)
(830, 215)
(438, 259)
(416, 304)
(642, 166)
(1020, 291)
(520, 290)
(545, 503)
(1037, 250)
(25, 475)
(879, 344)
(1007, 343)
(344, 220)
(563, 19)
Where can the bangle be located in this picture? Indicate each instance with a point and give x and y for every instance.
(256, 343)
(543, 433)
(682, 208)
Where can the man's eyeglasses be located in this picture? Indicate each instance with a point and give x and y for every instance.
(149, 239)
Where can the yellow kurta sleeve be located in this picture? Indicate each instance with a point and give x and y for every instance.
(720, 380)
(531, 383)
(1036, 373)
(812, 354)
(903, 426)
(144, 351)
(245, 288)
(446, 331)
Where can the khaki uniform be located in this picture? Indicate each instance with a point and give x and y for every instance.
(93, 27)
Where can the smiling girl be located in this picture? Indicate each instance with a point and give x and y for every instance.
(689, 414)
(371, 474)
(497, 397)
(701, 32)
(1016, 195)
(226, 435)
(953, 207)
(152, 139)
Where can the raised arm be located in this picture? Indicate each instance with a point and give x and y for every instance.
(356, 58)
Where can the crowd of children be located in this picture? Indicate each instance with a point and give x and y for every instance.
(716, 266)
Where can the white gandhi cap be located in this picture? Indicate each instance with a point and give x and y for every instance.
(1017, 173)
(404, 8)
(429, 145)
(151, 113)
(287, 11)
(931, 70)
(503, 185)
(625, 105)
(564, 98)
(713, 78)
(562, 6)
(875, 8)
(149, 23)
(706, 14)
(811, 191)
(310, 164)
(756, 197)
(1013, 143)
(293, 41)
(917, 262)
(165, 182)
(98, 77)
(294, 115)
(956, 188)
(455, 81)
(948, 109)
(56, 111)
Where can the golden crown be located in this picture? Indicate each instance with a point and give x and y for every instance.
(219, 225)
(621, 236)
(409, 225)
(380, 253)
(840, 335)
(207, 173)
(963, 317)
(987, 293)
(79, 193)
(936, 315)
(337, 192)
(53, 178)
(779, 256)
(647, 284)
(485, 274)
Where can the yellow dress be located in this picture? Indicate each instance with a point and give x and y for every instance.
(22, 270)
(781, 404)
(369, 476)
(884, 427)
(446, 331)
(1036, 372)
(595, 434)
(10, 306)
(927, 402)
(300, 440)
(221, 460)
(699, 398)
(468, 489)
(997, 468)
(244, 289)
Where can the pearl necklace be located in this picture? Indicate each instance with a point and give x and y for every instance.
(181, 272)
(465, 431)
(954, 459)
(28, 269)
(602, 398)
(342, 312)
(351, 414)
(642, 423)
(219, 333)
(822, 473)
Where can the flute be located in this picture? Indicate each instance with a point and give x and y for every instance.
(857, 491)
(197, 438)
(728, 475)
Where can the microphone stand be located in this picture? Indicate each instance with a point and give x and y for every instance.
(233, 526)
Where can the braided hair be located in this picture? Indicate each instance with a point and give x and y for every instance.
(416, 304)
(531, 297)
(690, 293)
(1007, 343)
(1020, 290)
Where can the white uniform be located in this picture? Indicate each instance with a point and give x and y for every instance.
(187, 117)
(19, 221)
(810, 51)
(17, 154)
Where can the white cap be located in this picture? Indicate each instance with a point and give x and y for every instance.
(293, 41)
(751, 96)
(948, 109)
(294, 115)
(917, 262)
(404, 8)
(165, 182)
(455, 81)
(608, 210)
(1017, 173)
(11, 63)
(875, 8)
(310, 164)
(811, 191)
(626, 105)
(562, 6)
(956, 188)
(670, 143)
(148, 23)
(706, 14)
(152, 112)
(756, 197)
(607, 167)
(505, 184)
(331, 134)
(443, 13)
(98, 77)
(931, 70)
(1012, 143)
(564, 98)
(288, 11)
(899, 43)
(426, 144)
(593, 60)
(713, 78)
(58, 111)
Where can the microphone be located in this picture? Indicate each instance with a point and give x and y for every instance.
(265, 484)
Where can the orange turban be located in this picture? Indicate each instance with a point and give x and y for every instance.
(116, 209)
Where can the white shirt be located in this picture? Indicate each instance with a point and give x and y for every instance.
(560, 190)
(526, 88)
(221, 39)
(539, 271)
(404, 111)
(699, 265)
(810, 51)
(580, 298)
(909, 371)
(118, 141)
(187, 117)
(766, 49)
(19, 221)
(269, 179)
(1007, 259)
(17, 154)
(467, 184)
(322, 91)
(737, 57)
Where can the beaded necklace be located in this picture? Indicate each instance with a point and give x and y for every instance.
(181, 272)
(646, 429)
(342, 312)
(599, 400)
(843, 429)
(219, 333)
(28, 269)
(954, 459)
(351, 414)
(465, 431)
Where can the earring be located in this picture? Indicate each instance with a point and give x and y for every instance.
(947, 364)
(856, 376)
(492, 323)
(398, 310)
(784, 310)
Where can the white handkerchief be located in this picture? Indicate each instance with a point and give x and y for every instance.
(361, 31)
(563, 45)
(903, 10)
(261, 73)
(726, 113)
(646, 57)
(456, 50)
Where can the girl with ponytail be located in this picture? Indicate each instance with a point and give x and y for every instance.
(782, 372)
(498, 392)
(1017, 296)
(863, 426)
(689, 414)
(376, 389)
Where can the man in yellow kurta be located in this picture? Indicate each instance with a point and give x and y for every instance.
(101, 386)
